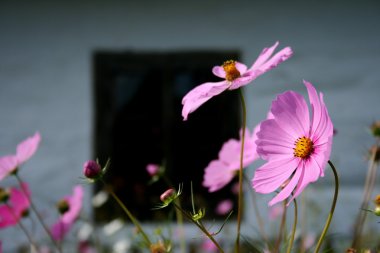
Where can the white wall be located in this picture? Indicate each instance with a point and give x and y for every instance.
(46, 85)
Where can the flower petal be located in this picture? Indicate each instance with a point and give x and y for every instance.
(273, 174)
(217, 175)
(278, 58)
(310, 173)
(7, 165)
(284, 193)
(27, 148)
(7, 218)
(264, 55)
(292, 114)
(19, 201)
(241, 67)
(199, 95)
(219, 71)
(273, 142)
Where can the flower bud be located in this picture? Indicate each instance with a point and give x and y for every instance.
(377, 211)
(63, 206)
(377, 200)
(158, 247)
(375, 128)
(4, 195)
(168, 195)
(92, 170)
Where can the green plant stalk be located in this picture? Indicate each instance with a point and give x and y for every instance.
(201, 227)
(128, 213)
(257, 214)
(329, 218)
(240, 196)
(368, 188)
(23, 228)
(179, 218)
(290, 245)
(39, 217)
(281, 230)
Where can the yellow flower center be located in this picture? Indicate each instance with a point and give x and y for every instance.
(231, 71)
(304, 147)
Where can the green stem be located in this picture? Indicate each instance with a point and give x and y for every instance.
(23, 228)
(240, 196)
(281, 230)
(200, 226)
(329, 218)
(368, 188)
(39, 217)
(128, 213)
(294, 227)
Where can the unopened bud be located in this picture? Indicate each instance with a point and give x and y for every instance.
(377, 211)
(92, 170)
(63, 206)
(375, 128)
(158, 248)
(168, 195)
(152, 169)
(4, 195)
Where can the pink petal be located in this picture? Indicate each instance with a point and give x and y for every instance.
(292, 114)
(60, 229)
(264, 55)
(284, 193)
(316, 107)
(216, 176)
(224, 207)
(273, 174)
(19, 201)
(152, 169)
(310, 173)
(27, 148)
(7, 165)
(7, 218)
(278, 58)
(199, 95)
(75, 204)
(219, 71)
(242, 68)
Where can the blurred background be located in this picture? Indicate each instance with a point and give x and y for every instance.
(106, 78)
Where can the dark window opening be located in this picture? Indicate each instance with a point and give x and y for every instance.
(138, 121)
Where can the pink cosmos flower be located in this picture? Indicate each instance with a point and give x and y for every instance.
(224, 207)
(24, 151)
(152, 169)
(73, 206)
(221, 171)
(236, 75)
(18, 205)
(295, 147)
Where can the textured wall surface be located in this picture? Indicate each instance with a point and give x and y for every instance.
(46, 80)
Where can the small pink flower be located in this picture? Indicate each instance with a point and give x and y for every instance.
(67, 219)
(236, 75)
(152, 169)
(24, 151)
(224, 207)
(208, 246)
(221, 171)
(17, 207)
(294, 146)
(275, 211)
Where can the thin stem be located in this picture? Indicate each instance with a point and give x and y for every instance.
(240, 196)
(294, 227)
(201, 227)
(258, 216)
(281, 230)
(128, 213)
(329, 218)
(23, 228)
(368, 188)
(39, 217)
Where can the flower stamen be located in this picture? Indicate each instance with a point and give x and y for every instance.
(232, 72)
(303, 147)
